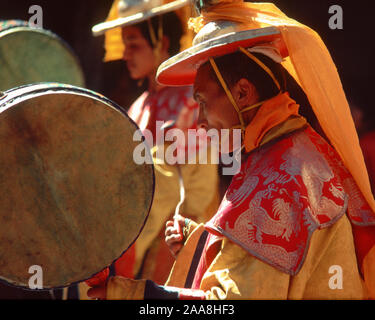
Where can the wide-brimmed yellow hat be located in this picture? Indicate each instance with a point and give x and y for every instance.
(135, 11)
(215, 39)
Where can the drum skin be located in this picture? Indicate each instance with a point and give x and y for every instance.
(29, 55)
(73, 199)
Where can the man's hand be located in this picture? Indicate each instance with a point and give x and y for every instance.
(173, 238)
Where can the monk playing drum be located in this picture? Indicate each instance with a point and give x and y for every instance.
(297, 221)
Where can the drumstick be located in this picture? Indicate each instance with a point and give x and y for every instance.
(167, 125)
(182, 199)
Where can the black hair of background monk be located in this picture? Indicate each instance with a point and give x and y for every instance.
(172, 29)
(237, 65)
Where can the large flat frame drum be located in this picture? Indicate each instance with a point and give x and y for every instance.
(29, 55)
(72, 198)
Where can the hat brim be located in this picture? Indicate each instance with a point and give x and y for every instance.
(181, 69)
(101, 28)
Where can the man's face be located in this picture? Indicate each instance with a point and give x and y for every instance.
(139, 55)
(215, 109)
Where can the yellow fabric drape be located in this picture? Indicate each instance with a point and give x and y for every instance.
(114, 46)
(272, 113)
(318, 78)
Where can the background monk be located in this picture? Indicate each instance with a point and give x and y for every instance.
(147, 44)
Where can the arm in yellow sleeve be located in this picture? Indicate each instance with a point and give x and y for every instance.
(235, 274)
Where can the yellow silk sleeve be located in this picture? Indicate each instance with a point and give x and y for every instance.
(235, 274)
(329, 271)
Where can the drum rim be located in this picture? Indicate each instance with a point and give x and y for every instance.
(13, 23)
(65, 44)
(45, 88)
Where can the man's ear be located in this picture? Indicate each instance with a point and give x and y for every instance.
(245, 93)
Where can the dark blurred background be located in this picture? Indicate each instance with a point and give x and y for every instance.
(351, 48)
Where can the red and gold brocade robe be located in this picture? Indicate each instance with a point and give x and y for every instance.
(283, 227)
(167, 104)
